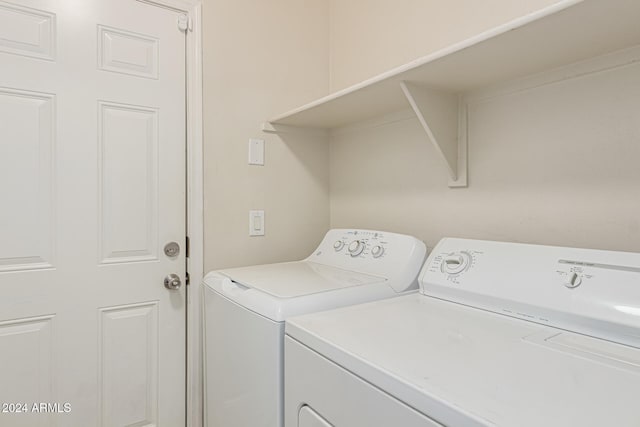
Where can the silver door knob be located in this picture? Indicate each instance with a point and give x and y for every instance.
(172, 282)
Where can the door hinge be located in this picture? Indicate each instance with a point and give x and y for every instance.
(184, 22)
(187, 279)
(187, 249)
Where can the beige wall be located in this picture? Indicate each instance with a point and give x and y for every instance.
(536, 172)
(369, 37)
(557, 164)
(262, 58)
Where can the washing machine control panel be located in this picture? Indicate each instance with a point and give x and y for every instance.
(589, 291)
(363, 243)
(379, 253)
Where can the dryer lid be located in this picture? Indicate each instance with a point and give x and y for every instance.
(299, 278)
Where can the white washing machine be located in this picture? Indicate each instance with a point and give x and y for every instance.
(500, 334)
(245, 310)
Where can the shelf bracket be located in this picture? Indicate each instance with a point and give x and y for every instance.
(441, 118)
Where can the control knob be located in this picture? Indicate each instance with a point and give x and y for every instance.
(338, 245)
(572, 280)
(377, 251)
(455, 263)
(356, 247)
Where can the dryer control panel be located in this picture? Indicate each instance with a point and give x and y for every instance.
(589, 291)
(454, 264)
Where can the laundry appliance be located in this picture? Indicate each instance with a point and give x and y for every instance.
(245, 309)
(501, 334)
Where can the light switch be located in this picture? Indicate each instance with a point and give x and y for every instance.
(256, 223)
(256, 151)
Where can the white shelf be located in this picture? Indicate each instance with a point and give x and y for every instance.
(565, 33)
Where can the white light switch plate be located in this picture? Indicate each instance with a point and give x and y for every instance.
(256, 223)
(256, 151)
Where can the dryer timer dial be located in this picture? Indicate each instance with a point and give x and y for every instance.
(456, 262)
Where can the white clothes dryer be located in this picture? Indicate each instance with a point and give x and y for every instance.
(501, 334)
(245, 309)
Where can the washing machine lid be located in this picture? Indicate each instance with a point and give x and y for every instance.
(468, 367)
(298, 278)
(278, 291)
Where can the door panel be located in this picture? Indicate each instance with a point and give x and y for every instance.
(92, 186)
(128, 53)
(27, 157)
(128, 389)
(128, 159)
(26, 31)
(26, 362)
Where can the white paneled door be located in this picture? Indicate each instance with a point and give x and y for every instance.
(92, 188)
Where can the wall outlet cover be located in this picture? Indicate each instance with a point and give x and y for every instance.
(256, 151)
(256, 223)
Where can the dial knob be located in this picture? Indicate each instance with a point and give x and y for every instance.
(356, 247)
(377, 251)
(338, 245)
(572, 280)
(455, 263)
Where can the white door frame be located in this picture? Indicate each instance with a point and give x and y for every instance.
(195, 198)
